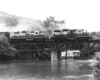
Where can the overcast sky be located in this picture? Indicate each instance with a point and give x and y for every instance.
(80, 14)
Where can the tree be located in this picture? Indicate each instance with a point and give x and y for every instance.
(51, 24)
(95, 35)
(5, 48)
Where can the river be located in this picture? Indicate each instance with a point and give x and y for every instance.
(46, 70)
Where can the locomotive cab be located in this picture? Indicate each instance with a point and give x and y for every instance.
(56, 36)
(57, 32)
(36, 33)
(31, 33)
(16, 33)
(81, 35)
(79, 31)
(23, 33)
(71, 34)
(65, 31)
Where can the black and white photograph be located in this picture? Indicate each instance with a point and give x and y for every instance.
(49, 39)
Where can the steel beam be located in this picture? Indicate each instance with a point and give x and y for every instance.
(91, 45)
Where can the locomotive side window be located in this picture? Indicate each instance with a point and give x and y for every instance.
(36, 33)
(23, 31)
(79, 32)
(16, 32)
(72, 31)
(32, 33)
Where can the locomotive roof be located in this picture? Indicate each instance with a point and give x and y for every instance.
(65, 29)
(78, 29)
(57, 30)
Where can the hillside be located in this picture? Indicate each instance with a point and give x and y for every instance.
(10, 22)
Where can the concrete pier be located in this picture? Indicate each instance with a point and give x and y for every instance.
(63, 55)
(55, 55)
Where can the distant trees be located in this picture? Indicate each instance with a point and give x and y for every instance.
(11, 21)
(95, 35)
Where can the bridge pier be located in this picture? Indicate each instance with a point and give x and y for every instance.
(55, 55)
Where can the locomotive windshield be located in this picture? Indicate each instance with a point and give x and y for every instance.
(72, 31)
(16, 32)
(32, 31)
(23, 31)
(79, 31)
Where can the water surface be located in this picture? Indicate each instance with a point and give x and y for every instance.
(46, 70)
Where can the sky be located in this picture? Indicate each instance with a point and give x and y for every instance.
(78, 14)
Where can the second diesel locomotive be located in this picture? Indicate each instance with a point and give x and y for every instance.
(70, 35)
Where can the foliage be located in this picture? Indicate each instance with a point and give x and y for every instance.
(96, 66)
(95, 35)
(51, 24)
(5, 48)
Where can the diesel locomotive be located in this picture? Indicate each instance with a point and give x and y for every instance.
(40, 36)
(70, 35)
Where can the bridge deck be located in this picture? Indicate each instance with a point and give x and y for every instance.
(48, 41)
(42, 44)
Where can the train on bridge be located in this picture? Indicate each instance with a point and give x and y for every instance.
(39, 43)
(40, 36)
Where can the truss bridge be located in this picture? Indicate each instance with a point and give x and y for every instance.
(31, 45)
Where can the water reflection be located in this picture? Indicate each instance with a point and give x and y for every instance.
(71, 68)
(44, 70)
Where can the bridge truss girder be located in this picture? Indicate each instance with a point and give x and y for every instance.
(56, 46)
